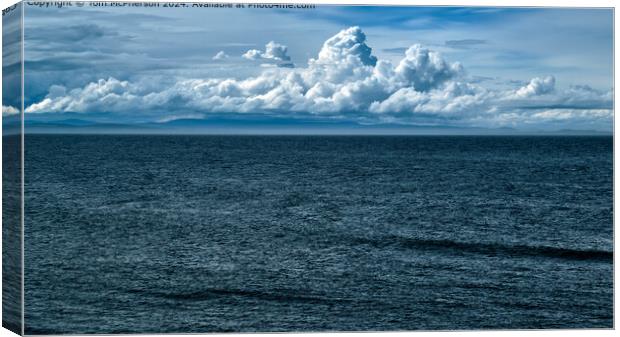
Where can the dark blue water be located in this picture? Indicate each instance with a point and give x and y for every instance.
(11, 230)
(226, 233)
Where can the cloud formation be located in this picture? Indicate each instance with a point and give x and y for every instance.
(9, 110)
(346, 80)
(537, 86)
(221, 55)
(274, 53)
(424, 69)
(465, 43)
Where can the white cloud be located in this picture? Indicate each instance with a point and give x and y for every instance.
(454, 99)
(424, 69)
(274, 53)
(537, 86)
(571, 114)
(103, 95)
(252, 54)
(346, 80)
(347, 46)
(9, 110)
(221, 55)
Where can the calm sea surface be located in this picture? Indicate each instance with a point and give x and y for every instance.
(246, 233)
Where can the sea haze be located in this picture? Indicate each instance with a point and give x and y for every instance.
(153, 234)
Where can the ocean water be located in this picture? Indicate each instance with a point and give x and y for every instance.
(129, 234)
(11, 231)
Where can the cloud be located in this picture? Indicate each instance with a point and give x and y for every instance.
(537, 86)
(570, 114)
(465, 43)
(396, 50)
(9, 110)
(70, 34)
(252, 54)
(274, 53)
(103, 95)
(346, 81)
(347, 46)
(425, 69)
(454, 100)
(221, 55)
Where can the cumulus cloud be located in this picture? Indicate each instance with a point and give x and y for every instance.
(103, 95)
(455, 99)
(252, 54)
(537, 86)
(274, 53)
(424, 69)
(9, 110)
(346, 80)
(221, 55)
(348, 46)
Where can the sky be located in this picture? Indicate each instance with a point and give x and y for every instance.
(476, 67)
(11, 64)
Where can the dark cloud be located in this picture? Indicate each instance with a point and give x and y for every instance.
(464, 44)
(67, 34)
(398, 50)
(11, 59)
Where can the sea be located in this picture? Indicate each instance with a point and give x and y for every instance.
(197, 234)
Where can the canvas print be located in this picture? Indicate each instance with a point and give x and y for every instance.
(224, 167)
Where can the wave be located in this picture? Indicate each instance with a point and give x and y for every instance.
(491, 249)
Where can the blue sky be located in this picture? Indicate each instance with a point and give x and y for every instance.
(523, 68)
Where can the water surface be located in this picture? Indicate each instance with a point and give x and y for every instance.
(246, 233)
